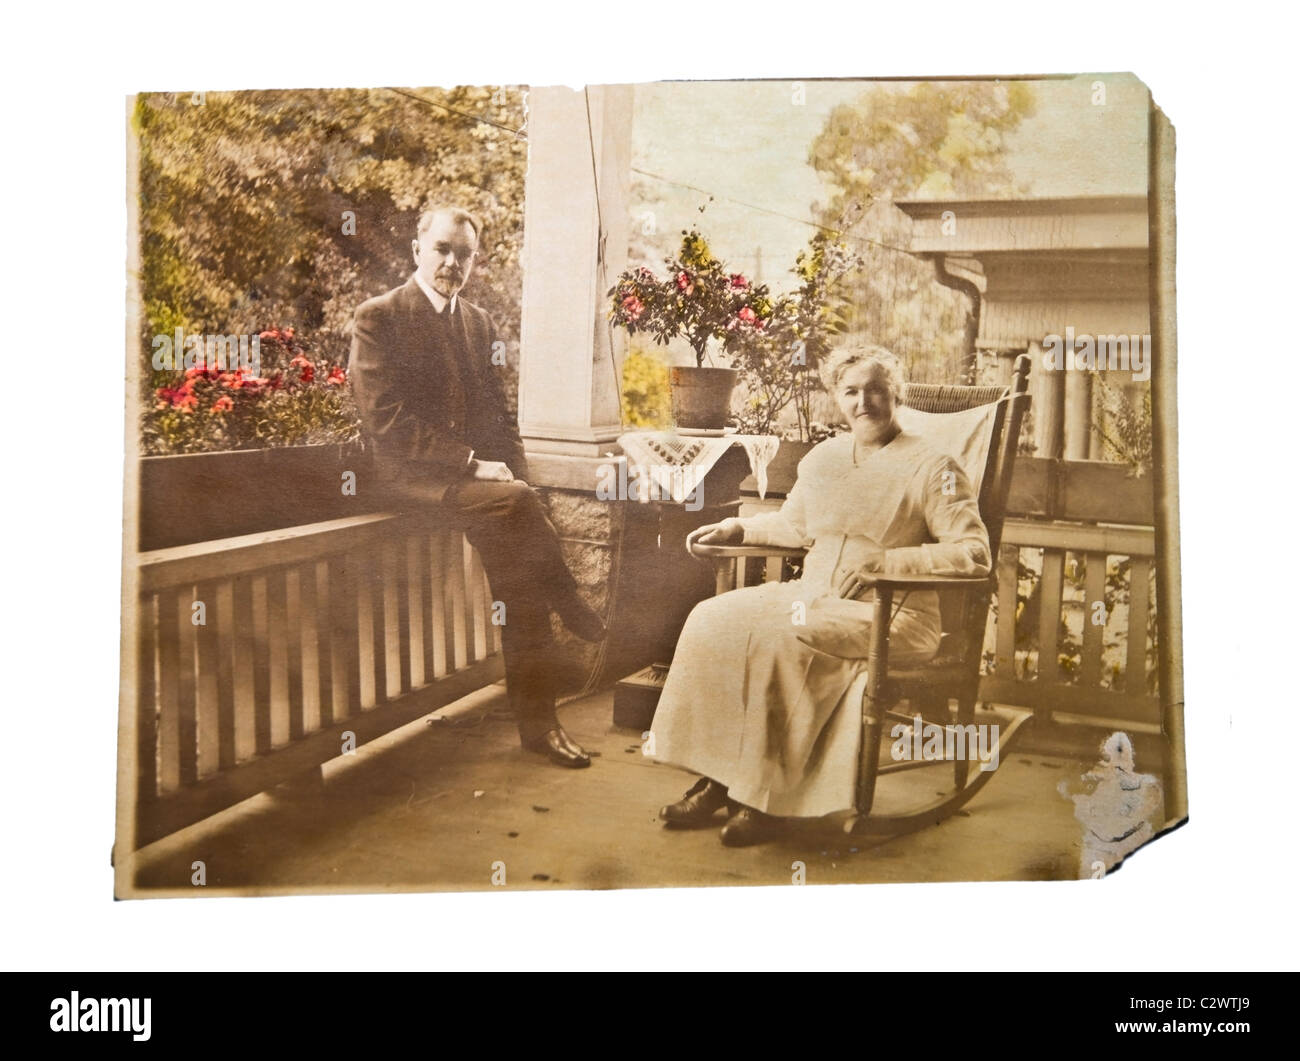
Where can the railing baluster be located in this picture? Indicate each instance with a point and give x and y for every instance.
(466, 568)
(444, 654)
(146, 715)
(482, 600)
(208, 710)
(1049, 614)
(414, 555)
(169, 678)
(773, 568)
(1004, 659)
(454, 577)
(224, 620)
(375, 585)
(245, 654)
(402, 605)
(293, 628)
(261, 667)
(326, 657)
(277, 638)
(1094, 588)
(187, 701)
(345, 606)
(1135, 665)
(309, 645)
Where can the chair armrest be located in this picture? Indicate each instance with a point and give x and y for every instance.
(930, 581)
(732, 551)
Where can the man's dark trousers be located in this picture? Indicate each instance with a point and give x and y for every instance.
(521, 554)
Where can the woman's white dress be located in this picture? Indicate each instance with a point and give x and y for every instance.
(765, 688)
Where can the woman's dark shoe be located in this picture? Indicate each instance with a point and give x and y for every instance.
(698, 806)
(748, 826)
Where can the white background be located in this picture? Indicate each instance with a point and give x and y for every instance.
(1214, 895)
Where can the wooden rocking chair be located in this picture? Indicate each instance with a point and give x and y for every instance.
(980, 428)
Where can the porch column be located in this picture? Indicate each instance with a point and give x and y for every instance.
(575, 244)
(1048, 405)
(1078, 414)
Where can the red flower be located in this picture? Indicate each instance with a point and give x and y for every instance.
(633, 307)
(685, 284)
(306, 370)
(739, 282)
(185, 403)
(222, 404)
(337, 377)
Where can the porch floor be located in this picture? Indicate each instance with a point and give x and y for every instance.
(433, 806)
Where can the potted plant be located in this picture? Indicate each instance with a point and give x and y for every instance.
(700, 300)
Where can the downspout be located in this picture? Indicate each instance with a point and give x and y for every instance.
(967, 286)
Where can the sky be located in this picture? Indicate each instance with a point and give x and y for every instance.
(748, 141)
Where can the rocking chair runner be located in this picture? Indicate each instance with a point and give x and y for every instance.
(980, 428)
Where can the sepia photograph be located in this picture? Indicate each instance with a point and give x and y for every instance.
(649, 485)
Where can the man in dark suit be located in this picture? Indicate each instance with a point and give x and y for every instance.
(434, 412)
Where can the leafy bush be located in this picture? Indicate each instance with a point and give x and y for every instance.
(297, 400)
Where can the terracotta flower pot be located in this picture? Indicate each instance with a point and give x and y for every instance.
(701, 397)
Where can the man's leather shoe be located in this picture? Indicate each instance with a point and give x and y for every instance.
(575, 613)
(559, 747)
(697, 807)
(748, 826)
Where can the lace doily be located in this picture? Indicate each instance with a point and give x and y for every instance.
(676, 464)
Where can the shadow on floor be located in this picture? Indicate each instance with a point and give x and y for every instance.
(457, 805)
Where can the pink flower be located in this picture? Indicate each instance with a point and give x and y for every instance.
(747, 315)
(633, 307)
(337, 377)
(222, 404)
(738, 282)
(685, 284)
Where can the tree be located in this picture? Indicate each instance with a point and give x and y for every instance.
(931, 140)
(287, 209)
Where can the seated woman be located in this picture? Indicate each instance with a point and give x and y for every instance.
(759, 700)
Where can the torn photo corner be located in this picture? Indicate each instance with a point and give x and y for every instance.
(539, 488)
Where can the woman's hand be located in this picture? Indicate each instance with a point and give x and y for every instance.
(728, 532)
(858, 580)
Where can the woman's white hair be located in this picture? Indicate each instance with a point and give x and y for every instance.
(842, 358)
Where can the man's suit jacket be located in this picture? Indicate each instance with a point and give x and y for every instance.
(421, 413)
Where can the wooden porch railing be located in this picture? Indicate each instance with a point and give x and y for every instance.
(263, 656)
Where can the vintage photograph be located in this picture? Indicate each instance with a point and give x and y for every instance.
(675, 484)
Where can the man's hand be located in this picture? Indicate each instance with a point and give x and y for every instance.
(860, 579)
(728, 532)
(492, 471)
